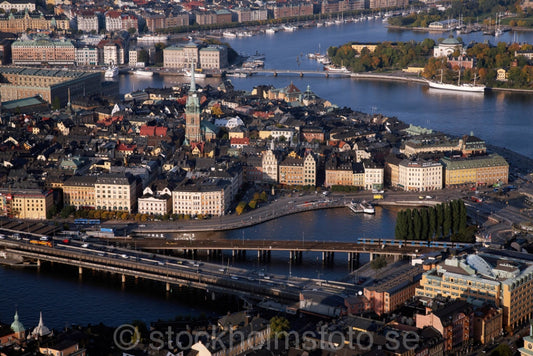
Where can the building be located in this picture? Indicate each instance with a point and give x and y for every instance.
(477, 170)
(87, 56)
(25, 203)
(339, 173)
(392, 291)
(112, 52)
(454, 320)
(468, 145)
(157, 22)
(247, 14)
(155, 203)
(373, 176)
(447, 46)
(17, 5)
(382, 4)
(192, 115)
(213, 57)
(292, 10)
(312, 133)
(527, 350)
(419, 175)
(116, 192)
(51, 84)
(79, 191)
(206, 57)
(487, 324)
(43, 51)
(88, 21)
(485, 278)
(298, 171)
(329, 7)
(19, 23)
(209, 196)
(270, 167)
(64, 347)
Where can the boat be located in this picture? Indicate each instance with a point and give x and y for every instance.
(333, 69)
(472, 88)
(111, 72)
(143, 73)
(271, 30)
(229, 34)
(288, 28)
(237, 75)
(362, 207)
(197, 75)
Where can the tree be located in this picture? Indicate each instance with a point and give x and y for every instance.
(56, 103)
(279, 325)
(447, 223)
(378, 263)
(143, 56)
(424, 216)
(132, 31)
(440, 221)
(240, 207)
(502, 350)
(432, 222)
(417, 225)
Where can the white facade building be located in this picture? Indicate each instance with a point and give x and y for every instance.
(420, 175)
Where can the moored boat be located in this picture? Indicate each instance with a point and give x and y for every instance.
(111, 72)
(472, 88)
(143, 73)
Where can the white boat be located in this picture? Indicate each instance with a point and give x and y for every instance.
(237, 75)
(228, 34)
(288, 28)
(362, 207)
(197, 75)
(472, 88)
(319, 24)
(333, 69)
(143, 73)
(111, 72)
(271, 30)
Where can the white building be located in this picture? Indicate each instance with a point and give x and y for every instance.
(420, 175)
(87, 56)
(87, 21)
(116, 192)
(208, 197)
(373, 176)
(447, 47)
(270, 165)
(154, 203)
(19, 6)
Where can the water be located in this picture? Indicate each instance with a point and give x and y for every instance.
(501, 119)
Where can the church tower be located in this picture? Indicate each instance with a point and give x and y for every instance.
(527, 350)
(192, 113)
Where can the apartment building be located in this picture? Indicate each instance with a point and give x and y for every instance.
(79, 191)
(373, 175)
(116, 192)
(298, 171)
(339, 173)
(328, 7)
(504, 280)
(247, 14)
(18, 6)
(478, 170)
(203, 197)
(392, 291)
(213, 57)
(157, 22)
(88, 21)
(301, 9)
(20, 22)
(43, 51)
(419, 175)
(112, 51)
(155, 203)
(25, 203)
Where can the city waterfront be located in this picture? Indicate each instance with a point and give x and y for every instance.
(499, 118)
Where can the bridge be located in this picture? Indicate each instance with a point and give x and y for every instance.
(171, 271)
(290, 72)
(372, 247)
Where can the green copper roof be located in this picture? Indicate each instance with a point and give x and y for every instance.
(17, 326)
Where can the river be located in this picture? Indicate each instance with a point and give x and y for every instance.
(500, 119)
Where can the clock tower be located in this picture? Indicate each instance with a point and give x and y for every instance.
(192, 113)
(527, 350)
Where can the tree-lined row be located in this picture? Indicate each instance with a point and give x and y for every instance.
(446, 220)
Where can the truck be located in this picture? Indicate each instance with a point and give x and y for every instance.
(378, 196)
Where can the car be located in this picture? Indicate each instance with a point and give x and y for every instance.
(44, 238)
(2, 237)
(429, 197)
(66, 241)
(16, 236)
(124, 256)
(221, 270)
(234, 277)
(85, 245)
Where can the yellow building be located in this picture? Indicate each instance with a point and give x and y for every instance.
(20, 23)
(115, 192)
(485, 279)
(79, 191)
(295, 171)
(479, 170)
(207, 197)
(360, 46)
(25, 203)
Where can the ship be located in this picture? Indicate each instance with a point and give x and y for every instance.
(229, 34)
(197, 75)
(362, 207)
(143, 73)
(466, 87)
(111, 72)
(333, 69)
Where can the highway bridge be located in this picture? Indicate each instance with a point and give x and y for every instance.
(372, 247)
(289, 72)
(171, 271)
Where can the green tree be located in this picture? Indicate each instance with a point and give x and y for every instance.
(502, 350)
(447, 223)
(143, 56)
(454, 206)
(462, 216)
(410, 227)
(440, 220)
(417, 225)
(279, 325)
(378, 263)
(432, 222)
(424, 216)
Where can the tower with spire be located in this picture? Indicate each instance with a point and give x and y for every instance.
(192, 113)
(41, 329)
(17, 326)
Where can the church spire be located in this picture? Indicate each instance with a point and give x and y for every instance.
(193, 82)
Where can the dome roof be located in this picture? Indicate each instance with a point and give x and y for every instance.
(17, 326)
(451, 41)
(41, 329)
